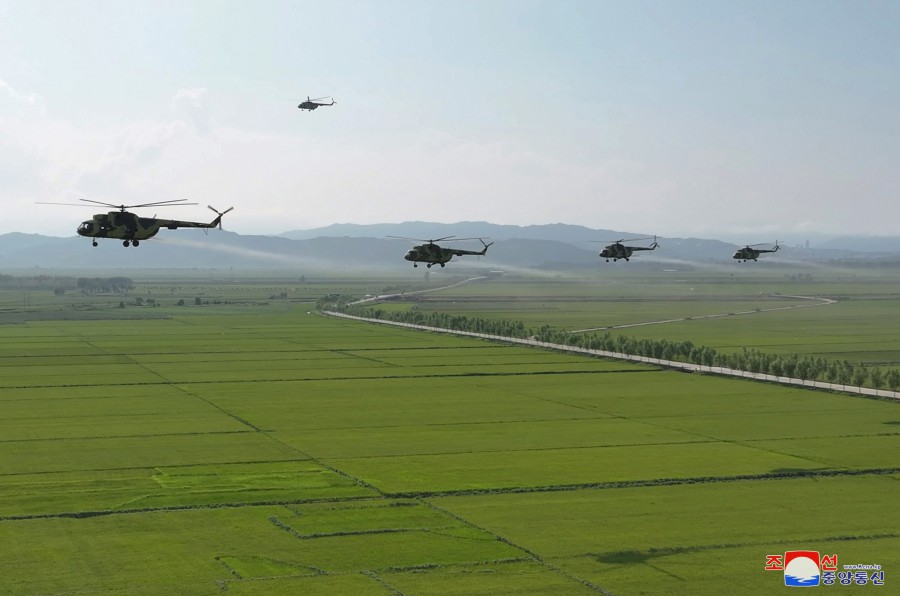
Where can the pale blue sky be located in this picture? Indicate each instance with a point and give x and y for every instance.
(727, 119)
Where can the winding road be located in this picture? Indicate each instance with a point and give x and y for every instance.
(413, 293)
(816, 301)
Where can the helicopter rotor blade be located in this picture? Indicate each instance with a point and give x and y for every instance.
(430, 240)
(433, 240)
(637, 239)
(103, 203)
(621, 240)
(172, 203)
(458, 239)
(169, 203)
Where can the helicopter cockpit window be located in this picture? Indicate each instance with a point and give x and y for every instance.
(86, 226)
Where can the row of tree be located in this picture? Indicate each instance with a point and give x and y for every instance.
(797, 366)
(105, 285)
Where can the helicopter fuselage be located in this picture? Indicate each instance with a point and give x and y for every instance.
(432, 254)
(745, 254)
(748, 253)
(130, 228)
(618, 251)
(312, 104)
(429, 253)
(120, 224)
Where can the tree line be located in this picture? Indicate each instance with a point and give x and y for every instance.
(105, 285)
(798, 366)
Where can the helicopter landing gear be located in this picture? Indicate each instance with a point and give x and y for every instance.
(442, 265)
(94, 243)
(430, 264)
(125, 243)
(415, 264)
(135, 242)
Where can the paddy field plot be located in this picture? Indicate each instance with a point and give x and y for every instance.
(836, 314)
(285, 452)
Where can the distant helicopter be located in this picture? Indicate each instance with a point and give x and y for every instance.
(312, 104)
(748, 252)
(130, 228)
(617, 250)
(432, 254)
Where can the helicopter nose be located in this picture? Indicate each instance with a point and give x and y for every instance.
(86, 228)
(410, 255)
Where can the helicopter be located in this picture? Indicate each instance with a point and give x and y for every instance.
(748, 252)
(432, 254)
(312, 104)
(617, 250)
(130, 228)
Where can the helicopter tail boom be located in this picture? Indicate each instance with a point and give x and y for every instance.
(459, 252)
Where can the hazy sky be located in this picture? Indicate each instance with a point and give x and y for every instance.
(677, 118)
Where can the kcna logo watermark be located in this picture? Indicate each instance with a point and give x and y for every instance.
(805, 568)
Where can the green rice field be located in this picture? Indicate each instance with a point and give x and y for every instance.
(246, 444)
(836, 314)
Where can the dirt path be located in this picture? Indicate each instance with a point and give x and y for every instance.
(814, 301)
(372, 299)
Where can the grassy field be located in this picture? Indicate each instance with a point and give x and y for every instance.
(247, 444)
(774, 312)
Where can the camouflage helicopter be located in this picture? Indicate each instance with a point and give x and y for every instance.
(130, 228)
(432, 254)
(748, 252)
(312, 104)
(617, 250)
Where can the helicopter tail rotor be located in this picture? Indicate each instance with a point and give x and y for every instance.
(218, 220)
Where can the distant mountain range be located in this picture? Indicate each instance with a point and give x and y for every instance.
(469, 229)
(352, 246)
